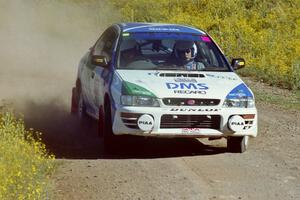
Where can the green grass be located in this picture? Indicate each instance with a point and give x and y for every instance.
(291, 101)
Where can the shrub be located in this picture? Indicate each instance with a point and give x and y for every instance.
(266, 33)
(24, 164)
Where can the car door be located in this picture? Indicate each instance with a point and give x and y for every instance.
(85, 76)
(103, 47)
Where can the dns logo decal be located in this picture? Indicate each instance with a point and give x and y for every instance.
(187, 86)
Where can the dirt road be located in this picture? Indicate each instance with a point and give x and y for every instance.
(170, 168)
(184, 169)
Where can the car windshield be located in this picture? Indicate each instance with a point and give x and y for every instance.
(169, 51)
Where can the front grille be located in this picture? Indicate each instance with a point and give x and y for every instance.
(130, 119)
(190, 121)
(190, 102)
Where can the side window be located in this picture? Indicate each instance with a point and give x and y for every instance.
(209, 53)
(105, 44)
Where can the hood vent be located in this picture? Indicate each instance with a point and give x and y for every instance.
(181, 75)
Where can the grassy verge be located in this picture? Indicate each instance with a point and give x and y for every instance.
(291, 102)
(25, 166)
(264, 93)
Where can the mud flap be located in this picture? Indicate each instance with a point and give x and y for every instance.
(101, 121)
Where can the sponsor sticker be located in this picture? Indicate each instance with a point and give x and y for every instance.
(145, 122)
(205, 39)
(195, 109)
(163, 29)
(187, 88)
(238, 94)
(240, 91)
(189, 92)
(191, 130)
(221, 77)
(236, 123)
(185, 80)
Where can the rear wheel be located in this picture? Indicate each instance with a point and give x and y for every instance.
(78, 107)
(101, 122)
(81, 113)
(237, 144)
(81, 109)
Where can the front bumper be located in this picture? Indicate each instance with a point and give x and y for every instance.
(184, 121)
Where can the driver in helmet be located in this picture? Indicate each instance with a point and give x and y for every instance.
(185, 53)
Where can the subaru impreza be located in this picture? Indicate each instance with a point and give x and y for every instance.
(164, 80)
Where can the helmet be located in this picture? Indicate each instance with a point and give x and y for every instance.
(182, 46)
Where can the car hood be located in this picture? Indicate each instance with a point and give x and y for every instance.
(183, 84)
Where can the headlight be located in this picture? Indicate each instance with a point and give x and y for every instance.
(239, 103)
(128, 100)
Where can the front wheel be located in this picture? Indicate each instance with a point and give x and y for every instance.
(109, 138)
(237, 144)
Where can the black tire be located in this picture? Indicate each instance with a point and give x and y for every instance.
(81, 108)
(101, 122)
(109, 139)
(237, 144)
(84, 120)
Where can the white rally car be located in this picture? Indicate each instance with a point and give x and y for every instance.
(164, 80)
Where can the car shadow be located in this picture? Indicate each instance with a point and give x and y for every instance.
(146, 147)
(66, 137)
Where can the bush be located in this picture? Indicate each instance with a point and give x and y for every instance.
(266, 33)
(24, 164)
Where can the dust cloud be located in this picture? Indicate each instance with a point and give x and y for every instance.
(41, 43)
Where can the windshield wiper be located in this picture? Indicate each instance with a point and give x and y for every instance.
(170, 68)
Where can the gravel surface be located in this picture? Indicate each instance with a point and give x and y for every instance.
(184, 168)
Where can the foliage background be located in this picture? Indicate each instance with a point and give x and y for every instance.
(264, 32)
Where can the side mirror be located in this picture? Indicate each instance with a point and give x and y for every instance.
(99, 61)
(238, 63)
